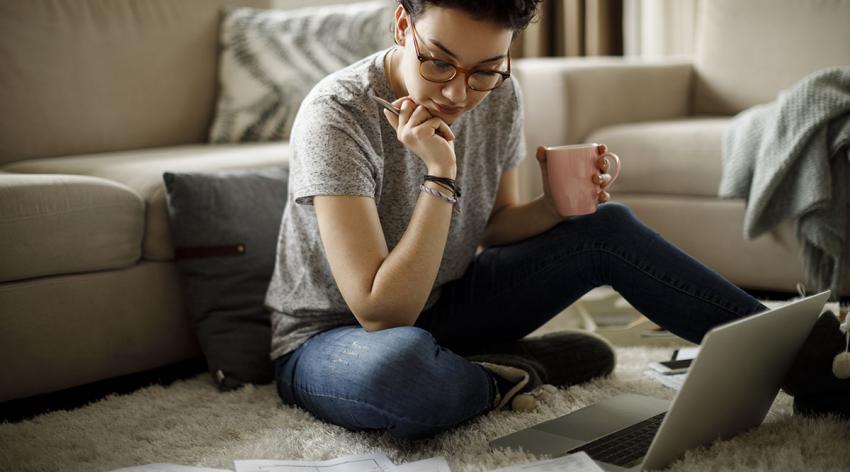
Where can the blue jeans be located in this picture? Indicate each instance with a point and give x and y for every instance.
(410, 382)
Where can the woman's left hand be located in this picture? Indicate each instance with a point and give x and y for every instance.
(603, 179)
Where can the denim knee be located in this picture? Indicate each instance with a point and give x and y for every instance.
(615, 207)
(404, 345)
(423, 388)
(615, 214)
(610, 217)
(398, 380)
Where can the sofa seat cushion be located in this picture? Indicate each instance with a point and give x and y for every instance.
(62, 224)
(142, 171)
(679, 157)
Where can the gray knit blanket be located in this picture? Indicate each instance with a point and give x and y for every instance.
(788, 159)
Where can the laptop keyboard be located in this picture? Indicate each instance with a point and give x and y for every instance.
(625, 447)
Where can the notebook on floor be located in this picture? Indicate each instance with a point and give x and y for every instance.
(730, 387)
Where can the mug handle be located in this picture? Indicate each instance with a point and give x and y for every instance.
(616, 172)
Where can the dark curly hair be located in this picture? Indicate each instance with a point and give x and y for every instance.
(512, 14)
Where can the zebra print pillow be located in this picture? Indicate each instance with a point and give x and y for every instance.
(271, 59)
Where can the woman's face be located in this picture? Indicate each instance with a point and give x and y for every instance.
(451, 36)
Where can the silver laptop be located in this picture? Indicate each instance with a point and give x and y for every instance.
(730, 387)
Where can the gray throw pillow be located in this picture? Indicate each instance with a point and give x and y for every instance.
(271, 59)
(225, 227)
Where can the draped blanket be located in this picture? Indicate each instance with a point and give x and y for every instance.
(788, 159)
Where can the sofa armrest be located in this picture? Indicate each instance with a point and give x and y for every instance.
(568, 98)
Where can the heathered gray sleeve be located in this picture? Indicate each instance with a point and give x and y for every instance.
(331, 155)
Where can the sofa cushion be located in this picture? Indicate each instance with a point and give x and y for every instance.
(748, 51)
(61, 224)
(679, 157)
(142, 171)
(225, 228)
(270, 59)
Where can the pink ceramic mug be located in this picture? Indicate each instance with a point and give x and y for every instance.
(571, 170)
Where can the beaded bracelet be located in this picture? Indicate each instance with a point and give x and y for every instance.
(439, 194)
(447, 187)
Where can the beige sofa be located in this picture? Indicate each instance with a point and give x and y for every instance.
(99, 98)
(665, 119)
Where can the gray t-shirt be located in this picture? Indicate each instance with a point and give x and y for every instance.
(343, 145)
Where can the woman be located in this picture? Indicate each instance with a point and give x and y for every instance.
(378, 292)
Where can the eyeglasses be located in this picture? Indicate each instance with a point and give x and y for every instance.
(435, 70)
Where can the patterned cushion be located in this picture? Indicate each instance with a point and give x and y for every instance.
(272, 58)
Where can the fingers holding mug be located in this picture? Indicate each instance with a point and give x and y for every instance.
(605, 178)
(541, 154)
(602, 180)
(577, 176)
(602, 162)
(604, 165)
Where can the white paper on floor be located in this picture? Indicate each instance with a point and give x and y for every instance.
(168, 468)
(578, 462)
(434, 464)
(361, 463)
(674, 381)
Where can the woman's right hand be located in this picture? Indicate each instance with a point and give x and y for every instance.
(428, 136)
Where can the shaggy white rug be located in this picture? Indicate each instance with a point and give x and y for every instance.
(191, 423)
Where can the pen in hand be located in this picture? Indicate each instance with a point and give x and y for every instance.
(389, 106)
(446, 134)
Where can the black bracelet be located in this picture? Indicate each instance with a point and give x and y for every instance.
(445, 182)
